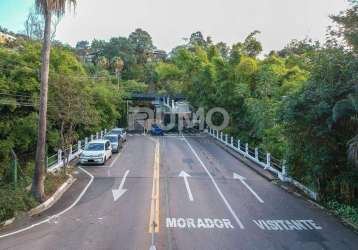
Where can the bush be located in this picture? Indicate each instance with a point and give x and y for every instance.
(347, 212)
(14, 201)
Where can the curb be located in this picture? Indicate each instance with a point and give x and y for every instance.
(345, 222)
(351, 225)
(7, 222)
(55, 197)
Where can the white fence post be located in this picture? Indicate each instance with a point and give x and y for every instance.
(283, 175)
(105, 131)
(97, 135)
(284, 170)
(226, 139)
(232, 141)
(59, 156)
(238, 144)
(268, 160)
(257, 154)
(71, 151)
(92, 137)
(86, 141)
(79, 146)
(221, 136)
(101, 134)
(246, 149)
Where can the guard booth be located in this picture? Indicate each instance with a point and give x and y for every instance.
(143, 110)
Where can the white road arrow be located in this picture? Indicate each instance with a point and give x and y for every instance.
(242, 179)
(117, 193)
(185, 176)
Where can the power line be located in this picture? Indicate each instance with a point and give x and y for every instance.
(58, 74)
(14, 94)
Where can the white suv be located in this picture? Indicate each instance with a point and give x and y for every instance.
(97, 151)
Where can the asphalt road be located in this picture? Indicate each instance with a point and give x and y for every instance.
(177, 193)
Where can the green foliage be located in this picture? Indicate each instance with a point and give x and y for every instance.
(318, 120)
(347, 25)
(246, 68)
(77, 105)
(14, 201)
(132, 86)
(349, 213)
(300, 103)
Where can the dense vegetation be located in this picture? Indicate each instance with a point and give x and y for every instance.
(79, 104)
(299, 103)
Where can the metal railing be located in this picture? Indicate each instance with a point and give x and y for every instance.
(263, 159)
(56, 161)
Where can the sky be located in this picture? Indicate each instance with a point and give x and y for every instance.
(169, 21)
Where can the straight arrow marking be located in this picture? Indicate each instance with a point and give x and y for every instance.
(242, 179)
(185, 177)
(117, 193)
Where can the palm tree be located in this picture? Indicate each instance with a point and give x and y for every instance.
(47, 8)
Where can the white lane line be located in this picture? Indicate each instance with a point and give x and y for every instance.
(216, 186)
(114, 161)
(58, 214)
(243, 181)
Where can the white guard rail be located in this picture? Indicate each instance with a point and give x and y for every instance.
(57, 160)
(269, 163)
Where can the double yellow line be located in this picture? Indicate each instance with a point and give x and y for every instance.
(154, 207)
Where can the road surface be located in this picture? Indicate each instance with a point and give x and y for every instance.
(177, 192)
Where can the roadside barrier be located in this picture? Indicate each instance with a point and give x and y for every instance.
(57, 161)
(263, 159)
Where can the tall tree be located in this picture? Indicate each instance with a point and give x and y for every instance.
(70, 107)
(348, 25)
(197, 39)
(47, 8)
(142, 44)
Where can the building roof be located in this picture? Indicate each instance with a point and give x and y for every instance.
(6, 36)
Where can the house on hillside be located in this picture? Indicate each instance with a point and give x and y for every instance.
(5, 38)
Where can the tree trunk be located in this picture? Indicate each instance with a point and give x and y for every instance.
(40, 171)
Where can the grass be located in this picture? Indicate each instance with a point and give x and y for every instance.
(53, 182)
(346, 212)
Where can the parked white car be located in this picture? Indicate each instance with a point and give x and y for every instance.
(96, 152)
(120, 131)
